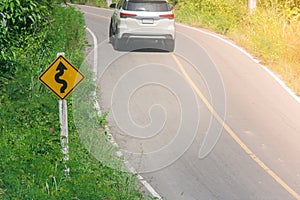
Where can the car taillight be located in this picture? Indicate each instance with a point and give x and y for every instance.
(169, 16)
(124, 15)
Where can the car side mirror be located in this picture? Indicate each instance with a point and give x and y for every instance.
(113, 5)
(170, 7)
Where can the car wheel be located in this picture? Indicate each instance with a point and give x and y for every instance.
(169, 45)
(119, 44)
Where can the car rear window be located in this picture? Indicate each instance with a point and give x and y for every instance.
(151, 6)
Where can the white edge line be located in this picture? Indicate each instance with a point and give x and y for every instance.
(111, 138)
(272, 74)
(95, 64)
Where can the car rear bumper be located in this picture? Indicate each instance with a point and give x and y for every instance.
(130, 36)
(147, 33)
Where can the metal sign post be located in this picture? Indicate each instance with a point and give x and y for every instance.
(63, 119)
(64, 131)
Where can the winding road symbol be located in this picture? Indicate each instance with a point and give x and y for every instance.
(61, 77)
(61, 70)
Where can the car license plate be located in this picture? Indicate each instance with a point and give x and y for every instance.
(147, 21)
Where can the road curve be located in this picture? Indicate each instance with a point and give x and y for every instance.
(204, 122)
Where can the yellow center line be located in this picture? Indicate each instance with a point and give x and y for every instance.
(108, 18)
(232, 133)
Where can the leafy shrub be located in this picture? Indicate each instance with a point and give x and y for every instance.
(23, 19)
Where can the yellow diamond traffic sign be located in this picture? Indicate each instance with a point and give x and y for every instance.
(61, 77)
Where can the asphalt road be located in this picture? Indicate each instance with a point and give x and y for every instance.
(204, 122)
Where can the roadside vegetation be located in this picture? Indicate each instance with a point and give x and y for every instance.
(271, 32)
(31, 163)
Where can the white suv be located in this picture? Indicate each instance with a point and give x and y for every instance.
(142, 20)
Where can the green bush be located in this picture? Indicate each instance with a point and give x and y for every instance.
(23, 19)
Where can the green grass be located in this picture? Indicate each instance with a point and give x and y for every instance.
(31, 165)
